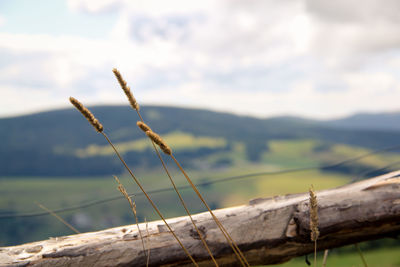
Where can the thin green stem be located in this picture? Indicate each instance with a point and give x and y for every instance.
(361, 255)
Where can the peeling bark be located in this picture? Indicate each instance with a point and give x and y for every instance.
(268, 231)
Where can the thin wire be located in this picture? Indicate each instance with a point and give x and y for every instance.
(367, 173)
(155, 191)
(206, 183)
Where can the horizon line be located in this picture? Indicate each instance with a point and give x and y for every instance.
(282, 115)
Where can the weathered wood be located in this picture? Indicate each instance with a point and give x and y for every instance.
(270, 230)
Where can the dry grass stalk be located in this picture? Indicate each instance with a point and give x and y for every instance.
(227, 236)
(58, 217)
(127, 89)
(314, 221)
(149, 199)
(122, 189)
(144, 127)
(80, 107)
(159, 141)
(325, 257)
(167, 150)
(87, 114)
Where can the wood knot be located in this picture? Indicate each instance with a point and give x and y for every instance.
(128, 237)
(193, 233)
(34, 249)
(291, 230)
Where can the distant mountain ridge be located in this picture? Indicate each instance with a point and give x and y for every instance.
(378, 121)
(43, 143)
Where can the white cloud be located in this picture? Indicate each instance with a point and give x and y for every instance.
(349, 32)
(19, 100)
(147, 8)
(93, 6)
(2, 21)
(273, 57)
(251, 29)
(303, 99)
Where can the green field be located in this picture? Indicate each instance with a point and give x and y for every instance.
(178, 140)
(19, 195)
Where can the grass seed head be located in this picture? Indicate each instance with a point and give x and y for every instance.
(159, 141)
(126, 89)
(143, 126)
(313, 215)
(87, 114)
(123, 191)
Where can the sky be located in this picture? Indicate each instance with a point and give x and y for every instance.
(319, 59)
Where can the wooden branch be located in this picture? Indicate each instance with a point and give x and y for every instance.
(268, 231)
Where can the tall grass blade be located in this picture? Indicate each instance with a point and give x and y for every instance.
(58, 217)
(144, 127)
